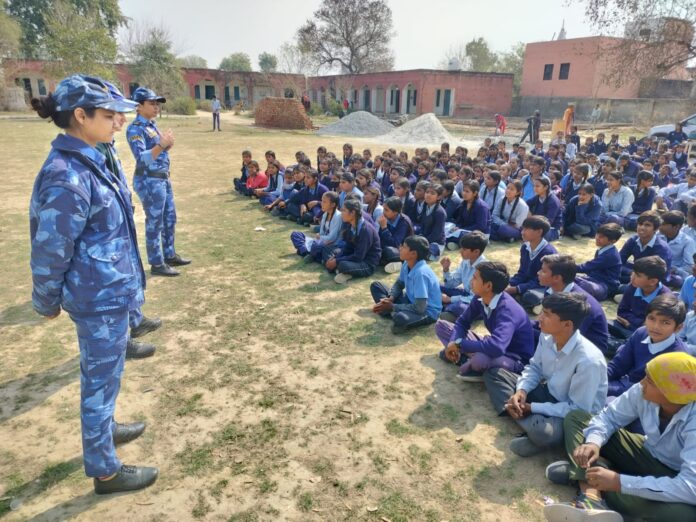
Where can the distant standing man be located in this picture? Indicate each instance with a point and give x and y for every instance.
(532, 129)
(568, 118)
(216, 112)
(595, 116)
(151, 182)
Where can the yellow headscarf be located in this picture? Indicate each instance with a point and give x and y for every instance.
(674, 374)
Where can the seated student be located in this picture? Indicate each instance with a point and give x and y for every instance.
(305, 207)
(603, 272)
(402, 190)
(310, 248)
(274, 189)
(493, 190)
(678, 196)
(645, 286)
(681, 160)
(418, 209)
(360, 252)
(513, 210)
(371, 205)
(511, 340)
(557, 274)
(546, 204)
(665, 318)
(255, 179)
(414, 299)
(536, 171)
(394, 228)
(582, 213)
(450, 200)
(682, 246)
(650, 477)
(575, 180)
(474, 214)
(389, 181)
(293, 183)
(688, 290)
(567, 372)
(240, 183)
(617, 199)
(644, 196)
(347, 186)
(645, 243)
(525, 285)
(456, 290)
(433, 221)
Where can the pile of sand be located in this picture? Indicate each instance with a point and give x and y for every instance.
(360, 124)
(425, 129)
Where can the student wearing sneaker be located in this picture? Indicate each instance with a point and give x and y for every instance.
(602, 274)
(665, 318)
(633, 304)
(567, 372)
(557, 274)
(525, 285)
(511, 340)
(393, 228)
(650, 477)
(414, 299)
(456, 290)
(360, 252)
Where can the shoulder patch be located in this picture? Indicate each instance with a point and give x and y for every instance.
(135, 137)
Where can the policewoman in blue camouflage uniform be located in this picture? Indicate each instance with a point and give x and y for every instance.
(151, 183)
(139, 323)
(85, 260)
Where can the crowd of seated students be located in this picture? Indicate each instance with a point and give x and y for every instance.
(573, 377)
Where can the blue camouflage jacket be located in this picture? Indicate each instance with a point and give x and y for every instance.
(84, 252)
(142, 136)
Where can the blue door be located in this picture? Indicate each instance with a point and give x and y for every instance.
(446, 102)
(236, 93)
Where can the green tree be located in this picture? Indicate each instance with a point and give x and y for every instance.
(351, 34)
(268, 62)
(10, 34)
(480, 57)
(33, 16)
(79, 42)
(192, 61)
(511, 62)
(236, 62)
(152, 62)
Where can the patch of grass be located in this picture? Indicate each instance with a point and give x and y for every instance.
(422, 458)
(305, 502)
(399, 508)
(191, 406)
(202, 507)
(195, 461)
(244, 516)
(323, 467)
(217, 490)
(379, 461)
(398, 429)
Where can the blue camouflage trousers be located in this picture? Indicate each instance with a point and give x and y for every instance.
(102, 339)
(157, 199)
(135, 317)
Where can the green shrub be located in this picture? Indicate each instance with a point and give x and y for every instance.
(181, 105)
(334, 107)
(204, 105)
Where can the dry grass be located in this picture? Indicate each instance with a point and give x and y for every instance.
(274, 395)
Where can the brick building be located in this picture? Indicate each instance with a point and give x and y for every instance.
(446, 93)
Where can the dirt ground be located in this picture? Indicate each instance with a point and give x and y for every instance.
(275, 394)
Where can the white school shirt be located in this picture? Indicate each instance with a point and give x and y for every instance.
(462, 276)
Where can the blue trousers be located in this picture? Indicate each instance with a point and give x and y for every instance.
(504, 232)
(216, 119)
(157, 199)
(404, 319)
(596, 289)
(102, 339)
(135, 317)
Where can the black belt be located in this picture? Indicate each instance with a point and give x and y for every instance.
(159, 175)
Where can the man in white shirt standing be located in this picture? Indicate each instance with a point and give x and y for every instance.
(216, 106)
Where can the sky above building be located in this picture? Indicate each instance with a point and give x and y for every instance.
(425, 30)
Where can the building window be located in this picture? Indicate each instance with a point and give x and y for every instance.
(437, 98)
(197, 92)
(132, 87)
(548, 71)
(42, 87)
(564, 71)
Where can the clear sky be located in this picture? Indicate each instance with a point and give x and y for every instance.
(424, 29)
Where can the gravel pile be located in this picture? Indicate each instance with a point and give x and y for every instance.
(424, 130)
(359, 124)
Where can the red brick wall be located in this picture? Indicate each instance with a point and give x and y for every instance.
(281, 113)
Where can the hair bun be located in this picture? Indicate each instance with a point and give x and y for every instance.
(45, 106)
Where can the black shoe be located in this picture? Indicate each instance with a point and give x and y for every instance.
(177, 260)
(128, 478)
(146, 326)
(164, 270)
(128, 432)
(137, 350)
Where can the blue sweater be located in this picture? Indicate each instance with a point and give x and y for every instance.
(550, 208)
(583, 214)
(634, 308)
(594, 327)
(361, 247)
(433, 225)
(451, 206)
(311, 194)
(394, 235)
(526, 277)
(476, 218)
(631, 248)
(605, 268)
(511, 332)
(644, 200)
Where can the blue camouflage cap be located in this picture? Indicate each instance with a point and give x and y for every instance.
(87, 92)
(143, 94)
(116, 94)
